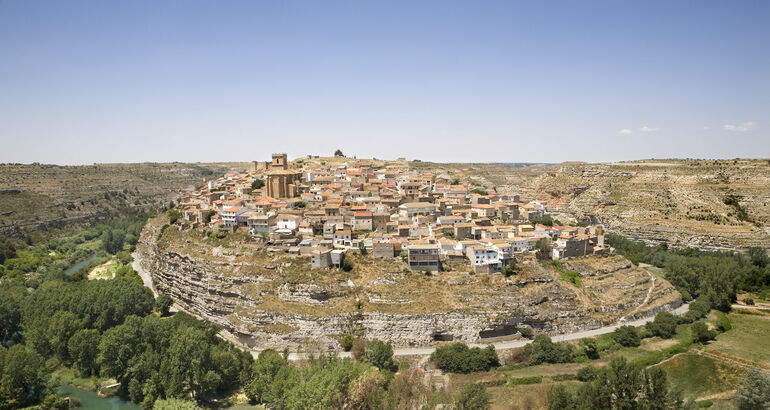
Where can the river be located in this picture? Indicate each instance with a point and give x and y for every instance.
(91, 401)
(76, 267)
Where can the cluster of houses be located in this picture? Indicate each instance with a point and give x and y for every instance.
(324, 211)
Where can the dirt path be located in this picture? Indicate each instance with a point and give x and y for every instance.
(646, 298)
(735, 306)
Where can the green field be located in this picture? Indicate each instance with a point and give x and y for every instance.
(700, 376)
(747, 339)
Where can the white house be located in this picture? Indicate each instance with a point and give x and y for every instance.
(230, 216)
(285, 221)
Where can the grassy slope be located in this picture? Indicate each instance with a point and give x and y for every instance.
(748, 339)
(699, 376)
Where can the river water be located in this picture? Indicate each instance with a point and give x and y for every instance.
(91, 401)
(74, 268)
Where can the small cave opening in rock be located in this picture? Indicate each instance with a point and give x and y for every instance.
(498, 331)
(442, 337)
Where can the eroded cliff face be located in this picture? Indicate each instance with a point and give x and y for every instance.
(277, 301)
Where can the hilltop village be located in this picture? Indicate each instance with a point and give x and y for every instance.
(324, 209)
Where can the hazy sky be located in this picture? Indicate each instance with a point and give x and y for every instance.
(129, 81)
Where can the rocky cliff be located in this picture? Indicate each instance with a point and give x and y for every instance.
(274, 300)
(706, 204)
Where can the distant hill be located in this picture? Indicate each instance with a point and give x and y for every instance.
(39, 197)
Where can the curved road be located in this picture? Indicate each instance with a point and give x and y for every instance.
(146, 277)
(425, 351)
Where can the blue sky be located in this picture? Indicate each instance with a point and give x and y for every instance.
(132, 81)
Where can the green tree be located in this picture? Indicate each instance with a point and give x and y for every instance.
(543, 350)
(701, 333)
(22, 377)
(163, 304)
(754, 392)
(208, 215)
(380, 354)
(61, 327)
(627, 336)
(620, 386)
(590, 347)
(347, 342)
(7, 250)
(362, 248)
(257, 184)
(347, 265)
(174, 215)
(663, 326)
(472, 396)
(586, 374)
(12, 295)
(264, 370)
(543, 249)
(509, 268)
(338, 153)
(458, 358)
(53, 402)
(84, 349)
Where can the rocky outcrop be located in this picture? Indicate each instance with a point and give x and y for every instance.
(266, 310)
(680, 202)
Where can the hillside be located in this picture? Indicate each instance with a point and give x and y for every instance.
(699, 203)
(709, 204)
(275, 300)
(40, 197)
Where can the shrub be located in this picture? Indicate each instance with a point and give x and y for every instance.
(587, 374)
(458, 358)
(698, 309)
(627, 336)
(620, 385)
(543, 350)
(749, 302)
(525, 380)
(347, 265)
(173, 215)
(347, 342)
(663, 326)
(471, 397)
(723, 323)
(526, 332)
(380, 354)
(510, 268)
(701, 333)
(543, 249)
(591, 348)
(755, 391)
(358, 349)
(174, 404)
(257, 184)
(163, 304)
(563, 377)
